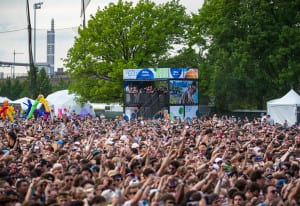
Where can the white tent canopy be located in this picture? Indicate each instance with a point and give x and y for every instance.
(23, 101)
(65, 102)
(4, 98)
(285, 108)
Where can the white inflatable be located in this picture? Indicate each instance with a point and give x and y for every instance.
(61, 102)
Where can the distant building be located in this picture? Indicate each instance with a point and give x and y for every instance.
(51, 49)
(60, 71)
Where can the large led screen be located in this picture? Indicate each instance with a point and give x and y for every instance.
(184, 92)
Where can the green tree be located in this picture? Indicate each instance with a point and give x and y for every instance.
(44, 86)
(6, 88)
(16, 89)
(187, 57)
(32, 80)
(251, 49)
(62, 84)
(25, 91)
(119, 37)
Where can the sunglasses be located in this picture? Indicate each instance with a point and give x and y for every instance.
(118, 179)
(132, 193)
(269, 170)
(69, 180)
(172, 186)
(274, 191)
(170, 202)
(43, 185)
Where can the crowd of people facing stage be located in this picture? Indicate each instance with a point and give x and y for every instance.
(146, 90)
(91, 161)
(140, 95)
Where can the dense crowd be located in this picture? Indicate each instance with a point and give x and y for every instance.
(89, 161)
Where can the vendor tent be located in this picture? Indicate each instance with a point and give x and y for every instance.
(65, 103)
(4, 98)
(285, 108)
(23, 101)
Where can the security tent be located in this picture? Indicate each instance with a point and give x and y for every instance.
(64, 102)
(285, 108)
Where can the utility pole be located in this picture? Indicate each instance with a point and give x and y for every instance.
(35, 6)
(13, 74)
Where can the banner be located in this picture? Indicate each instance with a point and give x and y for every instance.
(191, 112)
(176, 112)
(160, 73)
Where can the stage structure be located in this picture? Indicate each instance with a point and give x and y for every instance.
(161, 93)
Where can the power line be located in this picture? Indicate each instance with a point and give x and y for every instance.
(40, 29)
(15, 30)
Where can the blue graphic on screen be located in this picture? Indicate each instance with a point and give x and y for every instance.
(176, 72)
(145, 74)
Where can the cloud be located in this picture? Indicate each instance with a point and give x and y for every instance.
(66, 14)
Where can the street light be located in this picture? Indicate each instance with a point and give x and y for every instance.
(13, 75)
(35, 6)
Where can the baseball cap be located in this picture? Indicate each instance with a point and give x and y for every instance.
(113, 173)
(135, 145)
(44, 162)
(60, 142)
(218, 159)
(134, 181)
(258, 158)
(123, 138)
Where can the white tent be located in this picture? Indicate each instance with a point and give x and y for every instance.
(65, 102)
(4, 98)
(285, 108)
(23, 101)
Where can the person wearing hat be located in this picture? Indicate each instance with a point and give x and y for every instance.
(73, 168)
(57, 171)
(117, 182)
(116, 178)
(44, 165)
(135, 192)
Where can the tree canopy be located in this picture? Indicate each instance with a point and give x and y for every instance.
(19, 87)
(123, 36)
(251, 50)
(247, 50)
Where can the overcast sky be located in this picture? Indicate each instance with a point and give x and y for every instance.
(66, 15)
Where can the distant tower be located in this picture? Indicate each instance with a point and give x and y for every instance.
(51, 48)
